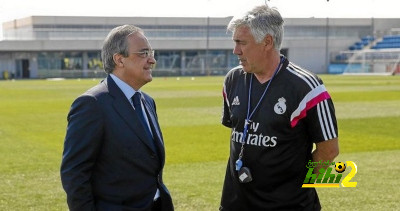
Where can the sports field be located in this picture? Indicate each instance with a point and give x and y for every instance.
(33, 121)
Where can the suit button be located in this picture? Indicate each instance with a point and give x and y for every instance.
(153, 156)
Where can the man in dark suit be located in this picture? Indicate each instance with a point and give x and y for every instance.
(114, 151)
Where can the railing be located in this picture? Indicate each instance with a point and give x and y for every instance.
(100, 34)
(382, 61)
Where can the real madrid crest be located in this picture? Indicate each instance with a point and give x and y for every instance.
(280, 106)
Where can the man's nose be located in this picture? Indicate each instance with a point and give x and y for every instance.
(152, 60)
(237, 50)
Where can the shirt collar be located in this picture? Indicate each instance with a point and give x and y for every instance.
(125, 88)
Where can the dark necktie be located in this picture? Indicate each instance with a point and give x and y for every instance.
(139, 111)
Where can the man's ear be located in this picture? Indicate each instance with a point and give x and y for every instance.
(268, 41)
(118, 59)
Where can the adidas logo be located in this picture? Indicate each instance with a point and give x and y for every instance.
(236, 101)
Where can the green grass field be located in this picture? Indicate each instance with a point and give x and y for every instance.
(33, 121)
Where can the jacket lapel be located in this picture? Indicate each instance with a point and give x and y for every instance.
(155, 128)
(125, 110)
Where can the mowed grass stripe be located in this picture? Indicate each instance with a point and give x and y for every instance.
(359, 110)
(365, 88)
(186, 144)
(369, 134)
(191, 103)
(190, 116)
(370, 95)
(184, 94)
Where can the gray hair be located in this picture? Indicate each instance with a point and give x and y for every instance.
(261, 20)
(116, 42)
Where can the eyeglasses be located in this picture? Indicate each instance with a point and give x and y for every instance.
(145, 53)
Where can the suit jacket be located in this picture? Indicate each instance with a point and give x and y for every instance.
(108, 162)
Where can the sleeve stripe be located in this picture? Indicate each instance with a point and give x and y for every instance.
(321, 122)
(225, 96)
(314, 97)
(325, 120)
(330, 125)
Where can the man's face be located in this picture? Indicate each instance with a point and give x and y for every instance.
(250, 53)
(137, 66)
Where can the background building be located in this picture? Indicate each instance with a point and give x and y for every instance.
(69, 46)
